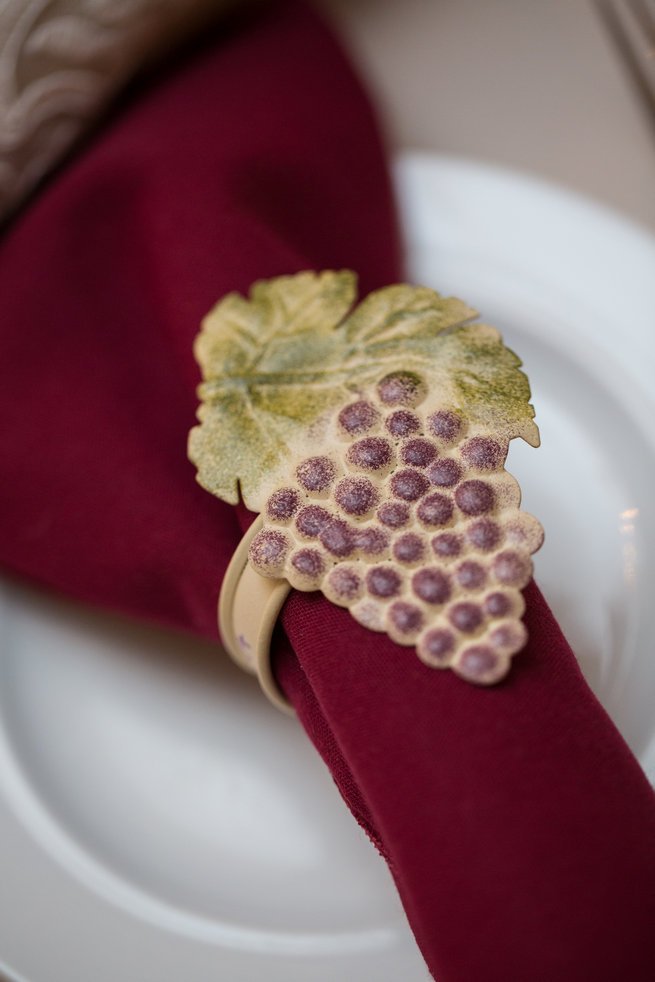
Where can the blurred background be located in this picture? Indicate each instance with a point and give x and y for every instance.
(530, 85)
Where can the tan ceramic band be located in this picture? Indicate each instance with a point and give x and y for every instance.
(248, 608)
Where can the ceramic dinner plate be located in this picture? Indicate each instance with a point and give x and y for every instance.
(158, 819)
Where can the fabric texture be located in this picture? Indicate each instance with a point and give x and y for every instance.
(518, 827)
(516, 823)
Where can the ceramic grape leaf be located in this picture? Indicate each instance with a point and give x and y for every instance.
(274, 364)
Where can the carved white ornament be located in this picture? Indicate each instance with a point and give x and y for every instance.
(61, 62)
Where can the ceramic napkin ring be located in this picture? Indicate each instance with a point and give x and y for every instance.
(372, 440)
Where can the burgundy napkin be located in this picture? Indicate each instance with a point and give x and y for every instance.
(518, 826)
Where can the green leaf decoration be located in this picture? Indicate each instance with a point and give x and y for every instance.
(274, 364)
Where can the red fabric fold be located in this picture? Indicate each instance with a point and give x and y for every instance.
(516, 823)
(519, 828)
(257, 157)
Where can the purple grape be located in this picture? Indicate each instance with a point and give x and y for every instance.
(471, 575)
(371, 541)
(343, 584)
(402, 423)
(418, 452)
(337, 537)
(408, 484)
(498, 604)
(356, 495)
(479, 663)
(316, 473)
(268, 551)
(369, 613)
(484, 534)
(308, 562)
(431, 585)
(509, 637)
(311, 520)
(373, 453)
(401, 389)
(525, 531)
(409, 548)
(393, 514)
(435, 510)
(465, 616)
(445, 425)
(383, 581)
(446, 545)
(483, 453)
(474, 497)
(358, 417)
(512, 569)
(283, 504)
(444, 472)
(406, 618)
(437, 645)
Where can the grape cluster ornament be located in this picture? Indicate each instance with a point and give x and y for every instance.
(373, 442)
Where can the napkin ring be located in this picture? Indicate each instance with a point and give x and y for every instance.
(372, 440)
(248, 608)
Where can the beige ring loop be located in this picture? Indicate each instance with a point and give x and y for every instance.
(248, 608)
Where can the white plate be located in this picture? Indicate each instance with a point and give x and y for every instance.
(158, 820)
(571, 286)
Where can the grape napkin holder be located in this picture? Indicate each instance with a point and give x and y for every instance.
(248, 609)
(372, 441)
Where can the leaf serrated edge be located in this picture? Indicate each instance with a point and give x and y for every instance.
(424, 305)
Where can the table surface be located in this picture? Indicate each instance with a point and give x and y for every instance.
(533, 86)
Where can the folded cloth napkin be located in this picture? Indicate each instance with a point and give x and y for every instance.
(518, 826)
